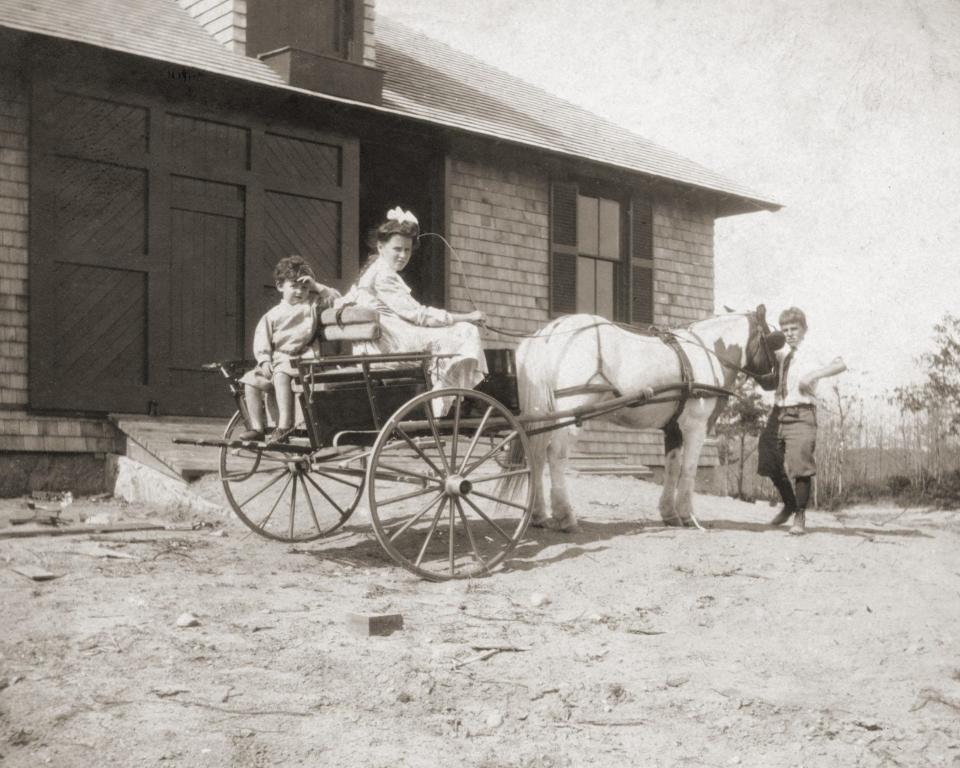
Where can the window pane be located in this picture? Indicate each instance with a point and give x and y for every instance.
(588, 222)
(605, 288)
(610, 229)
(586, 285)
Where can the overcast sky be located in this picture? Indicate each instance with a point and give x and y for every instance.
(845, 111)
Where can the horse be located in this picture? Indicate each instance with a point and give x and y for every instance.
(583, 360)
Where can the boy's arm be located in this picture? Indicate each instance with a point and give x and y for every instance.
(263, 342)
(832, 368)
(327, 294)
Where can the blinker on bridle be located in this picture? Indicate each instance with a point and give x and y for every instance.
(770, 342)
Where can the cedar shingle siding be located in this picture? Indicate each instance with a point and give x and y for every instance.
(13, 240)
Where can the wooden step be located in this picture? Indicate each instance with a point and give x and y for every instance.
(152, 438)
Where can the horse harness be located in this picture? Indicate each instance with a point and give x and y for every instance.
(688, 386)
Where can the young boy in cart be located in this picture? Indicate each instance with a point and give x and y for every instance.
(287, 330)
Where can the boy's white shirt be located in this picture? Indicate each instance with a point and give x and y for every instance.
(285, 330)
(810, 355)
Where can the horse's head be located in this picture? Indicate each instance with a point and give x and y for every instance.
(761, 344)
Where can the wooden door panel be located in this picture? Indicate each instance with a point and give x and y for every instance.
(102, 331)
(101, 207)
(204, 310)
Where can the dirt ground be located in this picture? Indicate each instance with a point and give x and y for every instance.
(636, 645)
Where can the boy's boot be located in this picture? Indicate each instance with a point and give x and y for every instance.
(803, 496)
(783, 515)
(785, 489)
(799, 523)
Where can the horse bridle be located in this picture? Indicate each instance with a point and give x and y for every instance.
(766, 337)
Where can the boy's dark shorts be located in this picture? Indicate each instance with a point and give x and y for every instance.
(788, 442)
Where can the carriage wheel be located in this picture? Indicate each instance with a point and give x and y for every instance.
(444, 501)
(287, 496)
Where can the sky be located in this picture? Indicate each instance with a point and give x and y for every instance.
(845, 111)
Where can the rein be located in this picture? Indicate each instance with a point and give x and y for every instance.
(666, 335)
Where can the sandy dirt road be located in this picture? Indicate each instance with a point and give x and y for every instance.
(637, 645)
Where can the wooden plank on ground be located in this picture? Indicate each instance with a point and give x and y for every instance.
(34, 572)
(73, 530)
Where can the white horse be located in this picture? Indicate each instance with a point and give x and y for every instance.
(582, 360)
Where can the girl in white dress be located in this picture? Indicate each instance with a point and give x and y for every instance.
(406, 325)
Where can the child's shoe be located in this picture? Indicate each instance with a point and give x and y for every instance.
(280, 435)
(252, 434)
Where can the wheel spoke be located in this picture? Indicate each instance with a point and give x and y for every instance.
(453, 529)
(326, 474)
(408, 473)
(405, 496)
(239, 476)
(499, 501)
(326, 496)
(414, 518)
(476, 437)
(293, 503)
(485, 517)
(313, 512)
(283, 490)
(455, 437)
(436, 437)
(275, 480)
(466, 527)
(491, 452)
(433, 527)
(417, 448)
(511, 473)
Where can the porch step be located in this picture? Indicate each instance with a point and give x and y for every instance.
(150, 441)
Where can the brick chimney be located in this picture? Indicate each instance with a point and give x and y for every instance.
(326, 46)
(226, 20)
(320, 45)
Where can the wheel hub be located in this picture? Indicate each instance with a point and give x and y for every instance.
(457, 485)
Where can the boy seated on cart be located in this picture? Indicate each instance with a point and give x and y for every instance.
(287, 330)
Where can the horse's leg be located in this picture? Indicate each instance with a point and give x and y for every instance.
(694, 434)
(673, 451)
(564, 518)
(538, 451)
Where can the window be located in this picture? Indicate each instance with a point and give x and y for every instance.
(590, 271)
(598, 251)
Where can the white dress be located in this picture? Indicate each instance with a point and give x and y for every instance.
(406, 325)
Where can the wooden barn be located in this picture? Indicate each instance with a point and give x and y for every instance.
(158, 156)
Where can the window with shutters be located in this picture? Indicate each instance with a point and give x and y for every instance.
(591, 234)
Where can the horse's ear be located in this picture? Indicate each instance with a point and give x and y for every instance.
(727, 309)
(762, 313)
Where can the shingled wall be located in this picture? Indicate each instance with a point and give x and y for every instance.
(498, 225)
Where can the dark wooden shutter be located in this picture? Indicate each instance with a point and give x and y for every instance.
(563, 249)
(641, 262)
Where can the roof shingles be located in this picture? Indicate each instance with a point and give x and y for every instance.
(424, 79)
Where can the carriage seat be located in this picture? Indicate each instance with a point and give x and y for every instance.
(349, 323)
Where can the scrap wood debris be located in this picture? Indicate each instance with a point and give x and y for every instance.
(489, 651)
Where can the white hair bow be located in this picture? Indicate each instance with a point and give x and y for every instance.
(401, 216)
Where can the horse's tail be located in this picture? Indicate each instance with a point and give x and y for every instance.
(535, 381)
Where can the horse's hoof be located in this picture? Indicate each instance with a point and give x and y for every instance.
(542, 523)
(673, 522)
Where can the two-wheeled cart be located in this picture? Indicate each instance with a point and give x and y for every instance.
(446, 472)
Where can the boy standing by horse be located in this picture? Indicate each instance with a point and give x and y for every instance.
(786, 450)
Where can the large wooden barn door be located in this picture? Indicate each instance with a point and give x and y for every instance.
(91, 261)
(153, 238)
